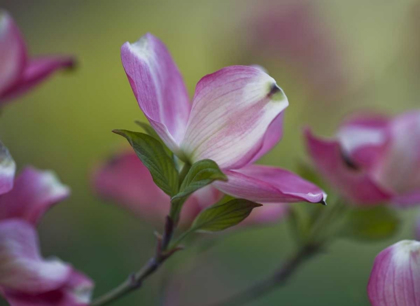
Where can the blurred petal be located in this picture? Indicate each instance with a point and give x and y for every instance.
(12, 52)
(128, 183)
(395, 277)
(21, 266)
(364, 139)
(266, 214)
(398, 168)
(34, 192)
(351, 181)
(232, 111)
(76, 292)
(7, 170)
(269, 185)
(158, 87)
(35, 72)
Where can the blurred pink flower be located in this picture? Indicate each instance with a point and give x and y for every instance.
(297, 35)
(127, 182)
(373, 159)
(25, 277)
(235, 118)
(395, 277)
(19, 73)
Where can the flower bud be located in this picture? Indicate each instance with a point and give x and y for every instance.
(395, 277)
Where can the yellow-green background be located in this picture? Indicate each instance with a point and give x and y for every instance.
(66, 124)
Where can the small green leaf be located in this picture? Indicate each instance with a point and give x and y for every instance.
(148, 129)
(151, 132)
(370, 223)
(223, 215)
(201, 174)
(153, 155)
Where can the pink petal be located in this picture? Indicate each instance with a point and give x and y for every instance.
(7, 170)
(351, 181)
(158, 87)
(34, 192)
(21, 266)
(76, 292)
(398, 168)
(272, 136)
(232, 111)
(267, 214)
(36, 71)
(364, 138)
(269, 185)
(127, 182)
(395, 277)
(12, 52)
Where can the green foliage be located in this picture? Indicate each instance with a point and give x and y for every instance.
(201, 174)
(151, 132)
(153, 155)
(370, 223)
(223, 215)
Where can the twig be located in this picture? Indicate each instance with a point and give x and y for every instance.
(135, 280)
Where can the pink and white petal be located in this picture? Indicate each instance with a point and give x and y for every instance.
(34, 192)
(232, 111)
(351, 181)
(7, 170)
(265, 184)
(127, 182)
(12, 52)
(395, 277)
(272, 136)
(158, 87)
(398, 168)
(364, 138)
(36, 71)
(267, 214)
(21, 266)
(76, 292)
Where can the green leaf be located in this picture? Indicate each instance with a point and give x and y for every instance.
(148, 129)
(223, 215)
(370, 223)
(201, 174)
(153, 155)
(151, 132)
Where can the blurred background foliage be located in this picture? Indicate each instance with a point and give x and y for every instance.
(330, 57)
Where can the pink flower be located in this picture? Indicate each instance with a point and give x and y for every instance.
(235, 118)
(127, 182)
(373, 159)
(25, 277)
(395, 277)
(19, 73)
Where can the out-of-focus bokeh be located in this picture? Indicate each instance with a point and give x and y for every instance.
(330, 57)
